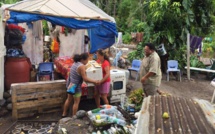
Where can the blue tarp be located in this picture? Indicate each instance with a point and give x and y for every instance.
(102, 33)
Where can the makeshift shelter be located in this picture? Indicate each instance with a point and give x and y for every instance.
(76, 14)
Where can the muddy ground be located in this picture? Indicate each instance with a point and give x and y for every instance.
(199, 87)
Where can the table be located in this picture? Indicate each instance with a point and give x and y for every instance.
(201, 69)
(63, 65)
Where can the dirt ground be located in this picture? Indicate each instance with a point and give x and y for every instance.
(199, 87)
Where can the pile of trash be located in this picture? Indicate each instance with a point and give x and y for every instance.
(109, 120)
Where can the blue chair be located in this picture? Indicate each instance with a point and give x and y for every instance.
(172, 66)
(135, 67)
(46, 68)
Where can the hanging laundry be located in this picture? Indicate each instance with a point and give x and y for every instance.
(37, 29)
(195, 43)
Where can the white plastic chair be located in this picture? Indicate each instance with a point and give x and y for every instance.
(213, 97)
(173, 67)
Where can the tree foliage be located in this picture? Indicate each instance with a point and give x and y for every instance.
(166, 21)
(8, 2)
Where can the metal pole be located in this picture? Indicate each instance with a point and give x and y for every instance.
(116, 52)
(2, 53)
(114, 8)
(188, 56)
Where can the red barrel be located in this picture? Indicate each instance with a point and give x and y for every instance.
(17, 70)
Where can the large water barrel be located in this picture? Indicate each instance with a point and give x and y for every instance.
(17, 70)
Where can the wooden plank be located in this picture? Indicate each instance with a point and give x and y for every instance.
(47, 84)
(14, 100)
(36, 103)
(52, 105)
(52, 108)
(39, 108)
(40, 95)
(24, 115)
(51, 111)
(38, 82)
(27, 110)
(14, 96)
(27, 113)
(37, 97)
(58, 105)
(40, 88)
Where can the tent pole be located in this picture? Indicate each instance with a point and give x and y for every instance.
(2, 53)
(116, 53)
(188, 56)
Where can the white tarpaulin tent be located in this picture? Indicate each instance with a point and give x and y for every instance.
(85, 13)
(79, 9)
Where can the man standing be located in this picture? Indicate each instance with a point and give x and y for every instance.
(150, 71)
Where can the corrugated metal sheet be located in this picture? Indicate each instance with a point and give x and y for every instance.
(82, 9)
(186, 117)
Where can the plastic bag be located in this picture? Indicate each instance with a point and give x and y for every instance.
(71, 88)
(55, 46)
(15, 53)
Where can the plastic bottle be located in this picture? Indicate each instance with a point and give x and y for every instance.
(121, 122)
(97, 110)
(113, 130)
(110, 131)
(92, 117)
(119, 115)
(119, 130)
(101, 116)
(135, 121)
(104, 132)
(136, 115)
(131, 131)
(109, 111)
(108, 106)
(132, 127)
(98, 132)
(117, 121)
